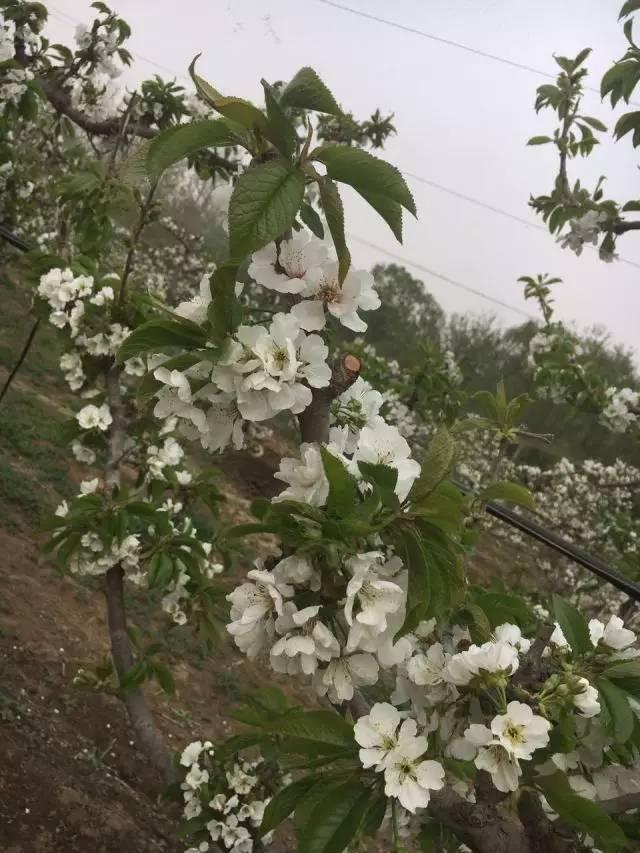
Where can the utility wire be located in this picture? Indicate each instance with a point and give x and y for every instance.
(451, 43)
(419, 178)
(498, 210)
(446, 278)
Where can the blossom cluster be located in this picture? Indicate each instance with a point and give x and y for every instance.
(622, 409)
(431, 673)
(585, 231)
(95, 553)
(265, 370)
(82, 308)
(101, 44)
(231, 794)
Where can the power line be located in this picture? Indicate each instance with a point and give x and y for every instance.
(446, 278)
(498, 210)
(419, 178)
(451, 43)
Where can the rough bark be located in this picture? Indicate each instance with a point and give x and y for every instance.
(148, 735)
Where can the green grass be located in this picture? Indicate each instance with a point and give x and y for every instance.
(33, 460)
(16, 321)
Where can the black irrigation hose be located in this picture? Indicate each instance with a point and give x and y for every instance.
(560, 544)
(11, 238)
(508, 516)
(566, 548)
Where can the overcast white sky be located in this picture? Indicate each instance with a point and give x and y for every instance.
(462, 121)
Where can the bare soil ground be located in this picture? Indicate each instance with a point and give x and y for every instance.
(71, 777)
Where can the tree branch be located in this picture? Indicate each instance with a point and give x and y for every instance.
(61, 101)
(141, 718)
(23, 354)
(530, 671)
(314, 421)
(621, 804)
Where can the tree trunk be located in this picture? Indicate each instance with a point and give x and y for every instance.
(149, 736)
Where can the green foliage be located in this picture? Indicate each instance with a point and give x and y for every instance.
(283, 133)
(618, 718)
(160, 335)
(573, 624)
(264, 204)
(435, 466)
(284, 802)
(512, 493)
(312, 221)
(180, 141)
(307, 91)
(580, 812)
(238, 110)
(225, 314)
(379, 183)
(343, 487)
(335, 818)
(334, 214)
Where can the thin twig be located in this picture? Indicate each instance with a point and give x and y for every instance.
(21, 358)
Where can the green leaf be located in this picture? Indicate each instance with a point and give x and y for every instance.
(134, 676)
(363, 171)
(161, 570)
(627, 123)
(376, 810)
(435, 465)
(595, 123)
(573, 624)
(263, 206)
(343, 486)
(182, 140)
(419, 590)
(620, 713)
(629, 8)
(236, 743)
(389, 210)
(506, 490)
(164, 678)
(500, 608)
(624, 669)
(539, 140)
(325, 730)
(492, 406)
(380, 475)
(334, 214)
(284, 802)
(307, 91)
(224, 312)
(282, 131)
(578, 811)
(312, 220)
(335, 819)
(238, 110)
(158, 335)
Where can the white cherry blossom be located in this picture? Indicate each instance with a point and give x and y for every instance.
(254, 608)
(520, 731)
(382, 444)
(343, 675)
(297, 256)
(586, 701)
(304, 642)
(343, 301)
(305, 477)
